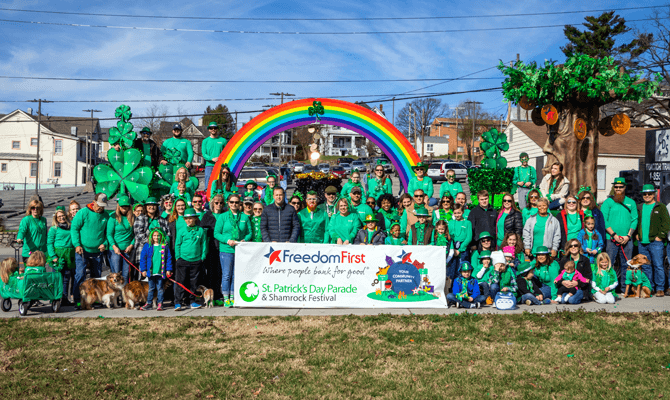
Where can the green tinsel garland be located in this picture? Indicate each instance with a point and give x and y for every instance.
(494, 180)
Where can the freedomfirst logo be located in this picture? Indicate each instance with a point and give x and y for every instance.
(344, 257)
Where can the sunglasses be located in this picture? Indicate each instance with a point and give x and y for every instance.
(486, 240)
(295, 203)
(330, 194)
(418, 195)
(379, 170)
(507, 201)
(248, 204)
(524, 159)
(196, 201)
(586, 198)
(370, 203)
(451, 176)
(648, 194)
(233, 202)
(574, 246)
(619, 187)
(534, 197)
(217, 202)
(34, 208)
(258, 209)
(572, 202)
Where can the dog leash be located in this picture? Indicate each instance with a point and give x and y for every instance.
(170, 279)
(620, 246)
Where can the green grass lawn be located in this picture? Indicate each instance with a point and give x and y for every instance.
(569, 355)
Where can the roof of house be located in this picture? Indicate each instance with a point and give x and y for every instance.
(64, 124)
(13, 156)
(630, 144)
(436, 139)
(165, 129)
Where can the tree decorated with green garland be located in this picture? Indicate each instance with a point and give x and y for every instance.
(567, 98)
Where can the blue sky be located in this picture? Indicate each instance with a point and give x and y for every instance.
(80, 52)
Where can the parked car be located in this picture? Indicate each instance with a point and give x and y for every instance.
(298, 168)
(359, 166)
(310, 168)
(292, 163)
(338, 171)
(324, 167)
(348, 160)
(257, 174)
(437, 171)
(347, 167)
(388, 166)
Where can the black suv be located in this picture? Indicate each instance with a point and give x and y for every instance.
(347, 160)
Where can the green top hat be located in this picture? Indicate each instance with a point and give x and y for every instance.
(146, 129)
(370, 218)
(123, 201)
(420, 211)
(523, 155)
(213, 125)
(190, 212)
(420, 165)
(485, 254)
(524, 268)
(466, 266)
(151, 200)
(542, 250)
(251, 182)
(619, 181)
(648, 188)
(484, 235)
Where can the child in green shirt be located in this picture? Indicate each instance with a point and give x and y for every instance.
(190, 250)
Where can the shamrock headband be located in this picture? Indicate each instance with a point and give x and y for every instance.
(583, 189)
(588, 213)
(159, 230)
(298, 195)
(60, 208)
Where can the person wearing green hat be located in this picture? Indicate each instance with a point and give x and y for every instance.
(482, 271)
(212, 148)
(370, 234)
(423, 182)
(190, 250)
(121, 237)
(546, 271)
(151, 154)
(528, 286)
(149, 220)
(524, 178)
(250, 190)
(421, 232)
(450, 186)
(61, 250)
(652, 233)
(621, 220)
(465, 292)
(484, 243)
(313, 221)
(179, 145)
(394, 238)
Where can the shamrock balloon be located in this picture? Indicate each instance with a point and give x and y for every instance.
(493, 144)
(161, 185)
(122, 134)
(172, 155)
(123, 112)
(125, 175)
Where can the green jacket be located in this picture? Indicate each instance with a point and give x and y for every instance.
(620, 217)
(376, 189)
(524, 175)
(448, 188)
(223, 232)
(212, 148)
(601, 282)
(183, 145)
(426, 185)
(120, 234)
(58, 238)
(659, 224)
(191, 244)
(33, 232)
(547, 274)
(89, 229)
(313, 226)
(461, 231)
(477, 267)
(345, 228)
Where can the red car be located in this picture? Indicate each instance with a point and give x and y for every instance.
(338, 171)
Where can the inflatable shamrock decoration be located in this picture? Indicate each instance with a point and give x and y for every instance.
(124, 175)
(493, 144)
(123, 132)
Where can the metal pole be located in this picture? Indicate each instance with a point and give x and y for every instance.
(423, 129)
(393, 117)
(37, 160)
(25, 183)
(89, 151)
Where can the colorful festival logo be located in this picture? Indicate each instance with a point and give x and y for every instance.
(403, 280)
(249, 291)
(273, 255)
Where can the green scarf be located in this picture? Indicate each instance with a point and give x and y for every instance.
(256, 222)
(444, 215)
(235, 222)
(420, 233)
(268, 196)
(390, 214)
(463, 294)
(441, 240)
(529, 285)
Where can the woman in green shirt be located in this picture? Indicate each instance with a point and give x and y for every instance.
(380, 183)
(182, 176)
(224, 184)
(546, 271)
(571, 220)
(531, 204)
(354, 181)
(444, 212)
(256, 235)
(167, 201)
(121, 237)
(387, 211)
(344, 225)
(33, 230)
(61, 250)
(423, 182)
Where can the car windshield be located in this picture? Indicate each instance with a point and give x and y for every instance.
(344, 165)
(338, 169)
(252, 174)
(454, 166)
(435, 166)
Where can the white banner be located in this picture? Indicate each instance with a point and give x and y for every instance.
(297, 275)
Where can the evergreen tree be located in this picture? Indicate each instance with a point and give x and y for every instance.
(222, 117)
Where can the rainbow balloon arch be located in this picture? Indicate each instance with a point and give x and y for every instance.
(325, 111)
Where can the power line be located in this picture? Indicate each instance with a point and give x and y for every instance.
(324, 19)
(297, 33)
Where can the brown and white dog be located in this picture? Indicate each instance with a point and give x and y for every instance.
(208, 295)
(638, 290)
(136, 293)
(103, 290)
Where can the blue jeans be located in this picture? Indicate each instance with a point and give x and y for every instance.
(656, 270)
(208, 172)
(534, 300)
(432, 201)
(484, 289)
(613, 250)
(575, 298)
(494, 289)
(67, 275)
(555, 205)
(227, 272)
(451, 299)
(80, 270)
(453, 267)
(118, 264)
(155, 283)
(546, 291)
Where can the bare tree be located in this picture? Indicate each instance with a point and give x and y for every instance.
(426, 110)
(152, 117)
(467, 111)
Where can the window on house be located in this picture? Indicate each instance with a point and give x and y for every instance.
(16, 145)
(33, 169)
(58, 147)
(57, 169)
(429, 147)
(3, 167)
(81, 150)
(460, 149)
(33, 141)
(602, 178)
(475, 150)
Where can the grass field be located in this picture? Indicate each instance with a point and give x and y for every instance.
(570, 355)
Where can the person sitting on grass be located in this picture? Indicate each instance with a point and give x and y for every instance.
(370, 234)
(465, 292)
(420, 233)
(483, 272)
(156, 266)
(190, 250)
(502, 278)
(395, 238)
(484, 243)
(567, 283)
(546, 271)
(529, 286)
(604, 280)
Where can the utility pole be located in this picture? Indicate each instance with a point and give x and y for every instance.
(393, 117)
(39, 131)
(474, 118)
(282, 94)
(518, 107)
(423, 130)
(89, 152)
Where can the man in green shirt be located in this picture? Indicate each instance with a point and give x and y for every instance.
(180, 144)
(313, 222)
(621, 219)
(212, 148)
(423, 182)
(361, 208)
(450, 186)
(652, 232)
(525, 177)
(190, 250)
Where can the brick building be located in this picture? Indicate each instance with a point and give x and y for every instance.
(448, 128)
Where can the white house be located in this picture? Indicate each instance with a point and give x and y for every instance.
(433, 146)
(338, 141)
(616, 153)
(62, 146)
